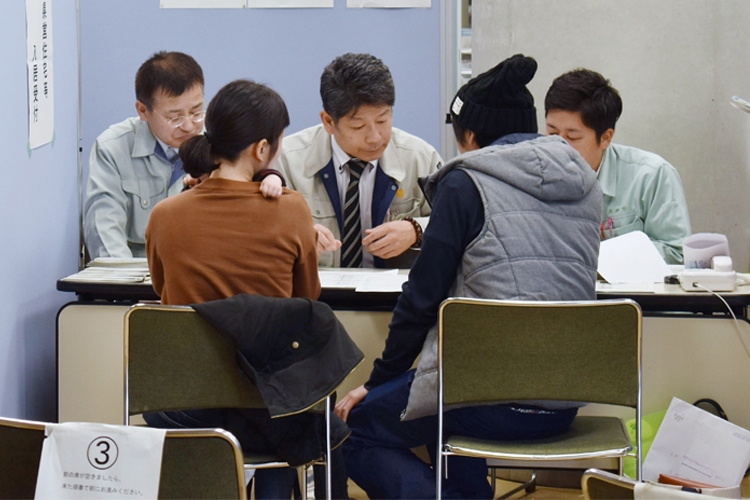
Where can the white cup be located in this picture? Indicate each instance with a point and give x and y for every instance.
(700, 248)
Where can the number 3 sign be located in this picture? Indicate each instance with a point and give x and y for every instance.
(87, 460)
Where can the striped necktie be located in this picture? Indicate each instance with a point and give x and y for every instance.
(351, 244)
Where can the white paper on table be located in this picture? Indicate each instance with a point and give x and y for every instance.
(383, 282)
(694, 444)
(110, 275)
(90, 460)
(631, 258)
(625, 287)
(203, 4)
(133, 262)
(388, 4)
(359, 280)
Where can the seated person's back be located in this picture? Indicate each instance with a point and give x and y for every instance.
(222, 238)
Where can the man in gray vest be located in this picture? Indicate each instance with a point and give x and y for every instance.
(516, 216)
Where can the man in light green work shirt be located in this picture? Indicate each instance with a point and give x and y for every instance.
(642, 191)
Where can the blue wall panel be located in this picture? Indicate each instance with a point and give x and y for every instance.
(284, 48)
(38, 214)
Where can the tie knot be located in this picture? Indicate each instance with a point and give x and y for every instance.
(356, 166)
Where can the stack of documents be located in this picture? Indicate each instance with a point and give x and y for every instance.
(109, 270)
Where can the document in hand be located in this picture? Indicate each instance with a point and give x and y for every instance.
(631, 258)
(694, 444)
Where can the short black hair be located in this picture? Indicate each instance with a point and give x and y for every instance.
(355, 80)
(483, 140)
(242, 113)
(588, 93)
(172, 72)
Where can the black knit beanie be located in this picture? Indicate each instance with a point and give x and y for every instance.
(497, 102)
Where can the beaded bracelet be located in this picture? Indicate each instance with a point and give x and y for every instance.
(417, 230)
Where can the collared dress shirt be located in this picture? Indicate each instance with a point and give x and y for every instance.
(366, 185)
(308, 164)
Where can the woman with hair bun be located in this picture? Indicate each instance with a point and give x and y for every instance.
(223, 237)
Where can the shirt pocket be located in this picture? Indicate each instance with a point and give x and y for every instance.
(404, 207)
(323, 213)
(143, 194)
(622, 223)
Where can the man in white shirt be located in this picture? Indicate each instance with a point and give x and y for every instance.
(371, 213)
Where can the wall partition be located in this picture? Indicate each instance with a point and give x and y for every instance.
(284, 48)
(676, 64)
(39, 208)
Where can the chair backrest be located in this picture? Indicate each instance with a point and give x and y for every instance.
(495, 350)
(601, 485)
(20, 448)
(174, 360)
(200, 463)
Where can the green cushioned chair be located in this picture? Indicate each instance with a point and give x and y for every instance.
(196, 464)
(493, 351)
(175, 360)
(601, 485)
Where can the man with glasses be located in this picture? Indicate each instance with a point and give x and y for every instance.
(135, 164)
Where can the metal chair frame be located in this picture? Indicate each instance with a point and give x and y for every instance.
(28, 483)
(444, 448)
(241, 396)
(624, 486)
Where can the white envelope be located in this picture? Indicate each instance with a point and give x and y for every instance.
(694, 444)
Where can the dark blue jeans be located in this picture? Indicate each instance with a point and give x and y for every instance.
(270, 484)
(378, 456)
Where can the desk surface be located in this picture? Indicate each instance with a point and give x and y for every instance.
(665, 298)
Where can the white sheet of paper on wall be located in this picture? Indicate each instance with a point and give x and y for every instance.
(289, 4)
(388, 4)
(203, 4)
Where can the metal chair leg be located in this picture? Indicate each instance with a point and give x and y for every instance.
(529, 486)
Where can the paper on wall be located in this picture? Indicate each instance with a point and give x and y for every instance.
(388, 4)
(41, 95)
(241, 4)
(297, 4)
(202, 4)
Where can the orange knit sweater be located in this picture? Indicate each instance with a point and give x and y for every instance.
(222, 238)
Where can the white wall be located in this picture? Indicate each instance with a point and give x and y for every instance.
(676, 64)
(38, 215)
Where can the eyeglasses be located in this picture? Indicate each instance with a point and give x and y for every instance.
(179, 121)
